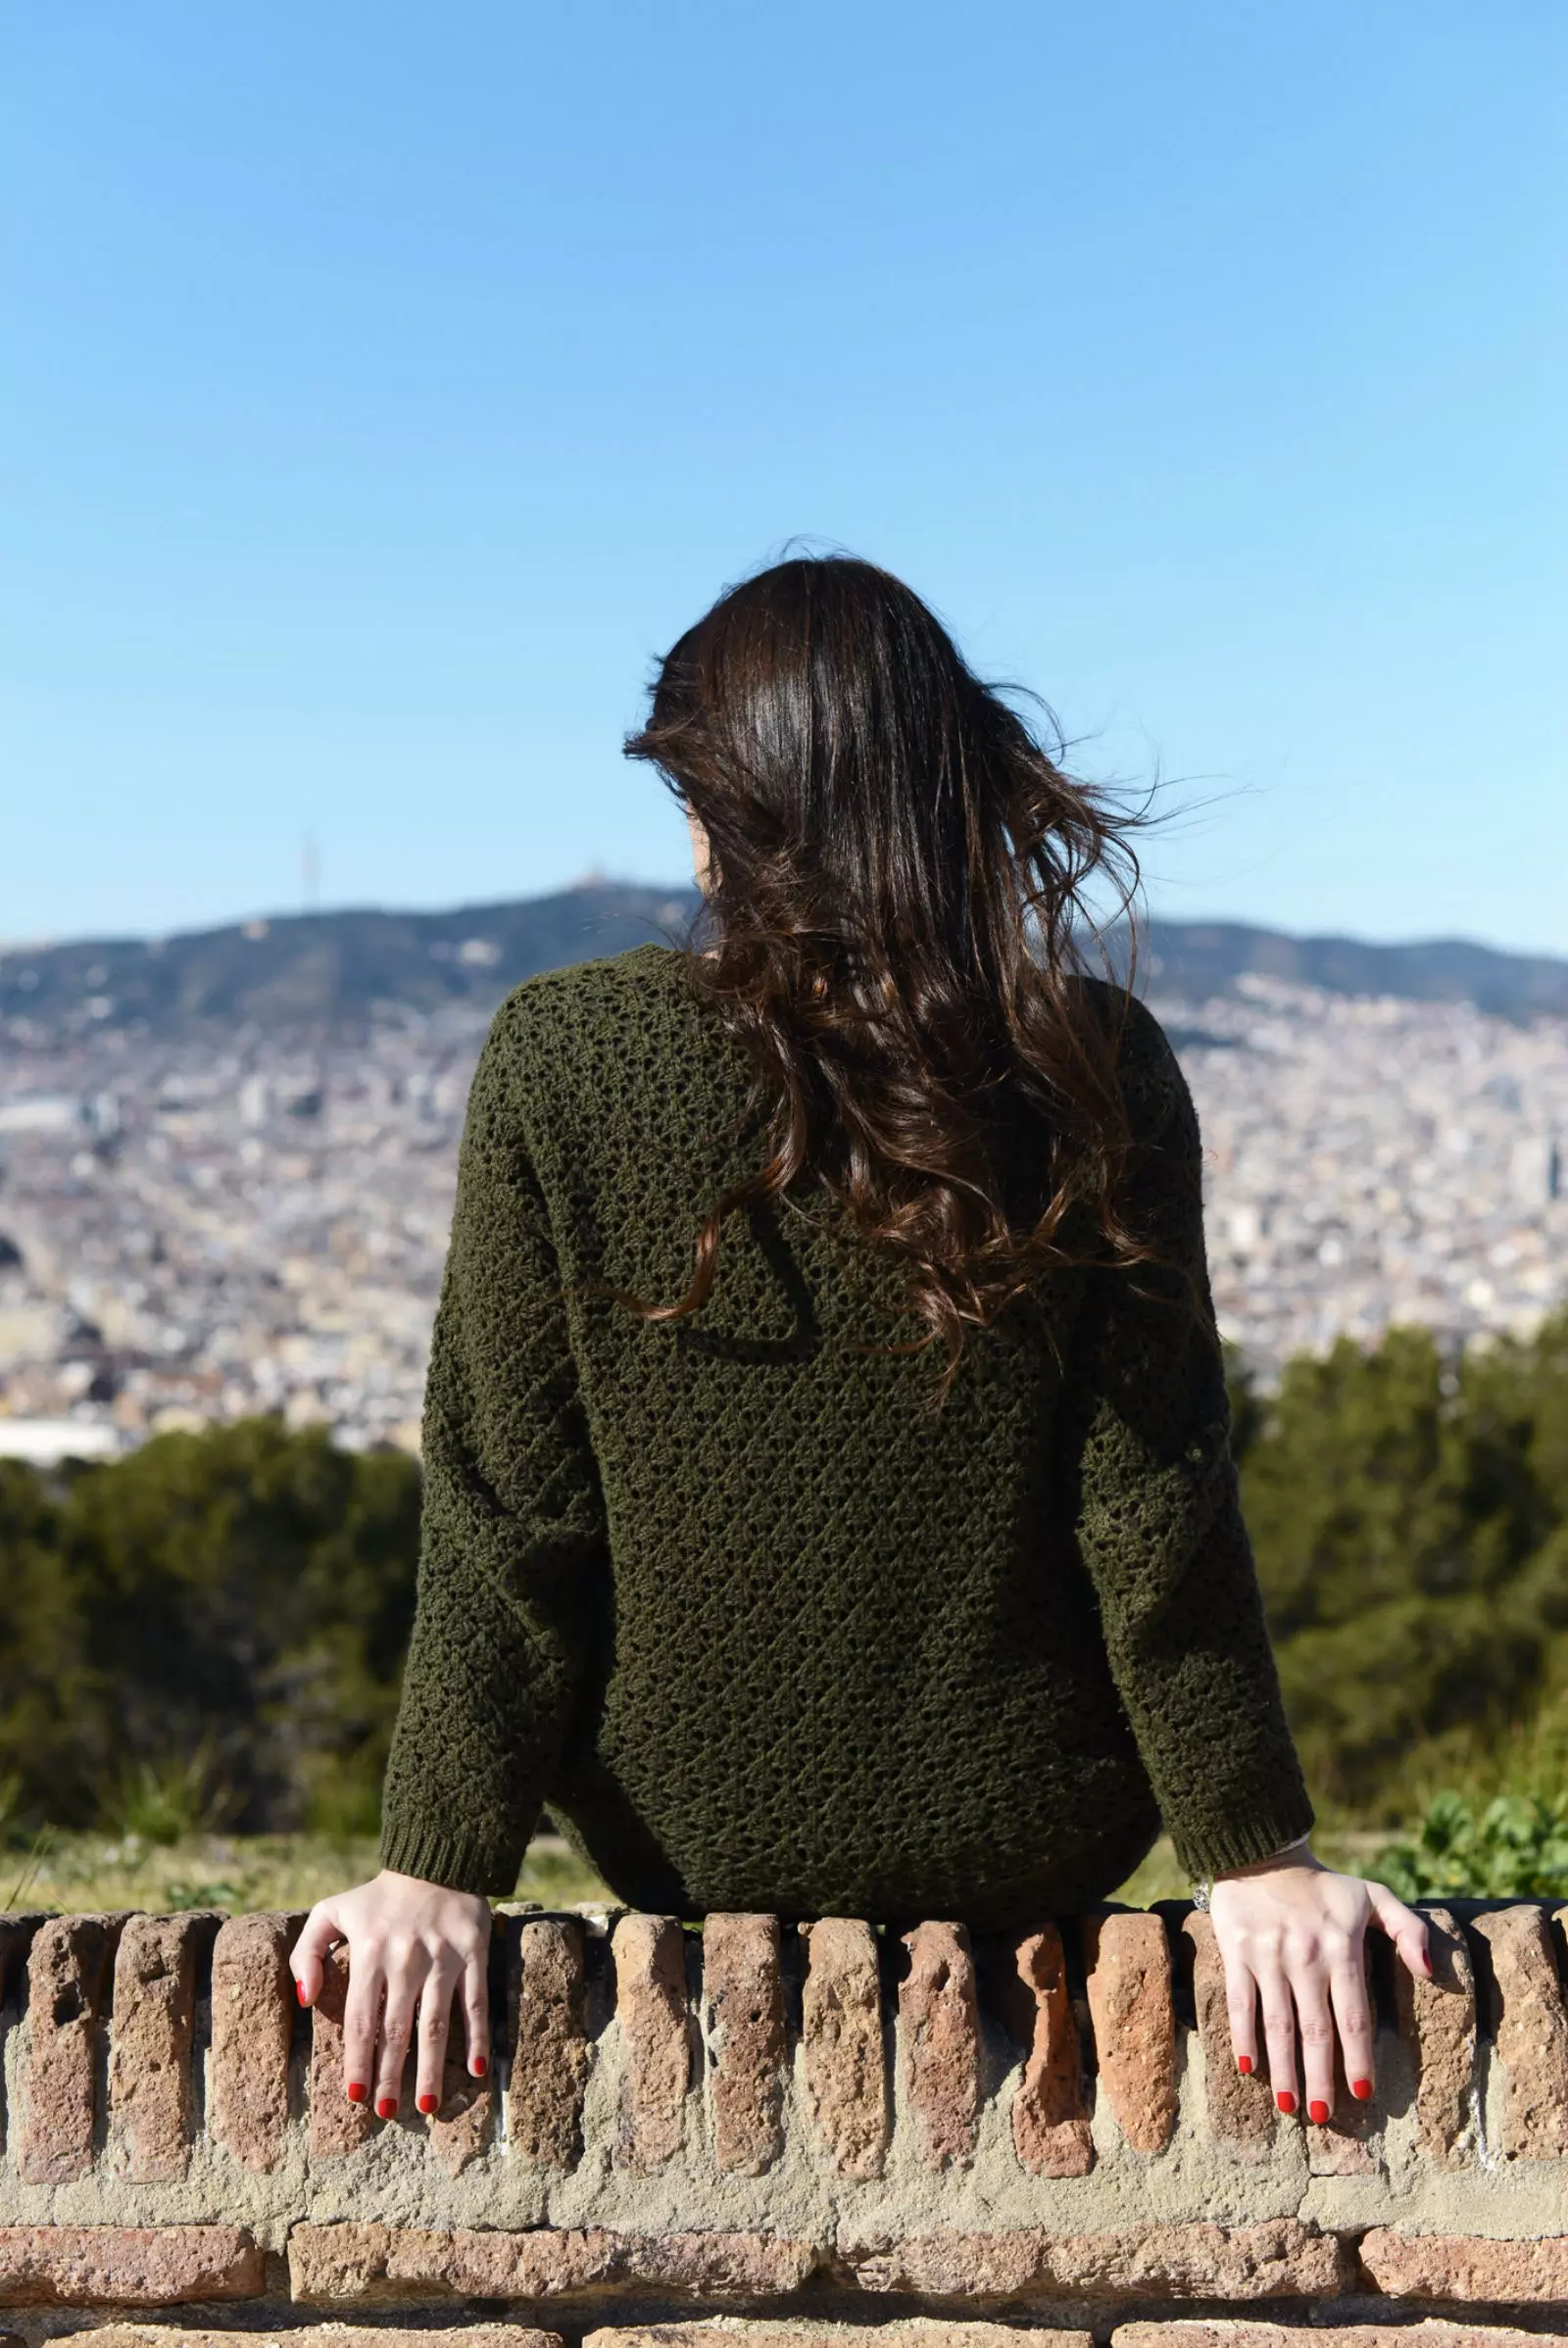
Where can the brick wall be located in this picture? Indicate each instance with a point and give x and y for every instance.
(743, 2135)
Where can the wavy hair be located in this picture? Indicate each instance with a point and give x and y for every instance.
(898, 900)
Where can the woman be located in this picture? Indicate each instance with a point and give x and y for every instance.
(890, 1566)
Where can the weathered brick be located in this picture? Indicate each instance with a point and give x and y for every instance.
(1532, 2032)
(1241, 2110)
(811, 2331)
(254, 2005)
(550, 2050)
(1050, 2125)
(337, 2127)
(940, 2026)
(1433, 2331)
(1437, 2021)
(127, 2266)
(650, 2006)
(1348, 2143)
(150, 2047)
(319, 2335)
(68, 1972)
(744, 1993)
(360, 2262)
(463, 2124)
(1281, 2258)
(842, 2046)
(1468, 2267)
(1131, 2005)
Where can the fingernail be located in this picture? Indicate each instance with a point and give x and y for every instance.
(1286, 2101)
(1426, 1959)
(358, 2092)
(386, 2108)
(479, 2065)
(1362, 2087)
(1318, 2112)
(428, 2103)
(1244, 2063)
(299, 1991)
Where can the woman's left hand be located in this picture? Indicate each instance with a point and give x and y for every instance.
(1292, 1934)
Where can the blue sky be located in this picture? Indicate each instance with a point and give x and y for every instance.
(382, 386)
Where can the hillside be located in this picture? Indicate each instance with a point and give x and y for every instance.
(331, 970)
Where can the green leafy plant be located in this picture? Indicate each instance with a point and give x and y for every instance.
(1515, 1849)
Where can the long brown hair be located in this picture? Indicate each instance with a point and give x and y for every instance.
(899, 892)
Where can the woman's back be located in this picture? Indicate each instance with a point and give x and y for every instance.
(772, 1633)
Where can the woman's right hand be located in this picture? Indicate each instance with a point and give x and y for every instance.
(410, 1944)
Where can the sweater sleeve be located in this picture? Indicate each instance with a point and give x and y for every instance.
(1158, 1519)
(513, 1537)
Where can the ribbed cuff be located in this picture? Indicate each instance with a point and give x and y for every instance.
(1213, 1848)
(461, 1862)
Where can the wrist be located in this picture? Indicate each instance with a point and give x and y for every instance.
(1298, 1853)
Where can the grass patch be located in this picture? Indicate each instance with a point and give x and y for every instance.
(238, 1872)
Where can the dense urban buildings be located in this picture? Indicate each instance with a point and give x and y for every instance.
(192, 1231)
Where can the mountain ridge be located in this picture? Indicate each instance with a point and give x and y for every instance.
(328, 969)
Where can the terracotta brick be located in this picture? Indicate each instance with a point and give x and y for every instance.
(319, 2335)
(254, 2006)
(811, 2331)
(1433, 2331)
(1281, 2258)
(1465, 2268)
(1050, 2125)
(1437, 2021)
(1127, 1959)
(744, 1993)
(550, 2050)
(68, 1972)
(150, 2049)
(1349, 2142)
(1241, 2111)
(650, 1961)
(127, 2266)
(939, 2025)
(358, 2262)
(844, 2052)
(463, 2124)
(337, 2127)
(1532, 2032)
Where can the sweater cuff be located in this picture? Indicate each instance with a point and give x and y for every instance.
(460, 1862)
(1219, 1845)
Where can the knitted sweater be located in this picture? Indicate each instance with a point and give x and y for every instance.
(762, 1630)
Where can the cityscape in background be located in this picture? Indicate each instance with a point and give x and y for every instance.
(205, 1213)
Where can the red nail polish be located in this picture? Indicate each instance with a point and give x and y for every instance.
(1286, 2101)
(1318, 2112)
(386, 2108)
(358, 2094)
(479, 2065)
(1426, 1959)
(299, 1991)
(1244, 2063)
(428, 2103)
(1362, 2088)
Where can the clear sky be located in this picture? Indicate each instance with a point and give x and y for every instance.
(383, 385)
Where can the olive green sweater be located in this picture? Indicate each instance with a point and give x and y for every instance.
(761, 1631)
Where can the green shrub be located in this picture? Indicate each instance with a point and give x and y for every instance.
(1515, 1849)
(1410, 1521)
(243, 1594)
